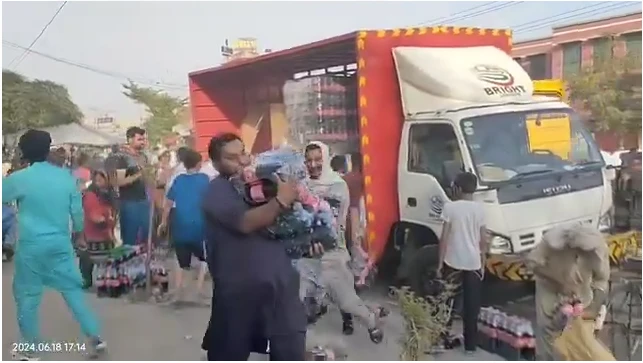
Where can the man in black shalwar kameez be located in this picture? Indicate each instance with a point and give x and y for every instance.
(256, 297)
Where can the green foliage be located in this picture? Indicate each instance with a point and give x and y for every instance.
(610, 90)
(425, 321)
(35, 104)
(164, 111)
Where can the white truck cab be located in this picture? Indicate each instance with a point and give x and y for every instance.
(472, 109)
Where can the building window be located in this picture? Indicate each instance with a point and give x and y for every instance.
(633, 44)
(538, 68)
(571, 58)
(601, 50)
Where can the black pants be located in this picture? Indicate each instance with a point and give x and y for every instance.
(282, 348)
(86, 266)
(466, 302)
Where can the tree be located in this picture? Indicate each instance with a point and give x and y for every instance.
(610, 90)
(35, 104)
(164, 111)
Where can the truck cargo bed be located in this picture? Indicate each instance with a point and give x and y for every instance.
(243, 95)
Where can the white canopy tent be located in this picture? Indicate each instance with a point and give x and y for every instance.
(72, 134)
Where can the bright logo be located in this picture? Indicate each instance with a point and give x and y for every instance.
(494, 75)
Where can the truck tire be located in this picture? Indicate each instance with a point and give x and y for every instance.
(422, 271)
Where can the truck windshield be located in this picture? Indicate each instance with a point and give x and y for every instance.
(515, 145)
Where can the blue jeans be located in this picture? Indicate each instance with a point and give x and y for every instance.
(134, 220)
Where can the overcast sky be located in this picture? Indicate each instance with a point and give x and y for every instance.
(160, 42)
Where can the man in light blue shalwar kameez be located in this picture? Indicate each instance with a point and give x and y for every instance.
(47, 198)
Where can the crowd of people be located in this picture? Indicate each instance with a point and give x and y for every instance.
(260, 295)
(263, 300)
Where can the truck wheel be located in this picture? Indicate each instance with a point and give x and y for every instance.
(422, 271)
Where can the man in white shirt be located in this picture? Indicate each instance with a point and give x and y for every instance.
(462, 251)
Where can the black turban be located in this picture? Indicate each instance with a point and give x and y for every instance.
(34, 145)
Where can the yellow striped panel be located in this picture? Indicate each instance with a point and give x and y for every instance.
(367, 159)
(362, 101)
(363, 121)
(361, 63)
(368, 180)
(383, 33)
(362, 81)
(371, 217)
(365, 140)
(362, 34)
(369, 199)
(360, 44)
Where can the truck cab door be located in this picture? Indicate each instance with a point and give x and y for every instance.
(427, 149)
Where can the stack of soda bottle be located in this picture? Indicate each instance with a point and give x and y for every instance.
(124, 270)
(511, 335)
(322, 108)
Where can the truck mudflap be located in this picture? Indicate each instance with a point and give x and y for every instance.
(514, 267)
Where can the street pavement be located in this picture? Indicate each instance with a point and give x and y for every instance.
(147, 331)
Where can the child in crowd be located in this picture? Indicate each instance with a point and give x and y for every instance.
(187, 225)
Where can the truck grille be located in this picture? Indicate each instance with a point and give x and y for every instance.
(527, 239)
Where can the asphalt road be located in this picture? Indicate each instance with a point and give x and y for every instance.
(147, 331)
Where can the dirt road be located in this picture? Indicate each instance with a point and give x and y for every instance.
(152, 332)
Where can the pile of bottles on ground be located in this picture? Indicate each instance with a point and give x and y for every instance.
(509, 336)
(124, 270)
(323, 107)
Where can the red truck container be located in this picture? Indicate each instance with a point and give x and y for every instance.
(226, 99)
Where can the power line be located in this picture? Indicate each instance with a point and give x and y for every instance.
(552, 17)
(442, 18)
(24, 54)
(574, 17)
(97, 70)
(500, 6)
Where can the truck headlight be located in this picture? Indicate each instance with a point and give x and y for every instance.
(605, 222)
(499, 245)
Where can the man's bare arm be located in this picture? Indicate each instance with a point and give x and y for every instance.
(123, 180)
(257, 218)
(444, 240)
(484, 245)
(167, 207)
(354, 223)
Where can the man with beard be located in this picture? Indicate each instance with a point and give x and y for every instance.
(49, 211)
(127, 164)
(336, 277)
(257, 290)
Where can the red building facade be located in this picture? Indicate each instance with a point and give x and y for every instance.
(573, 46)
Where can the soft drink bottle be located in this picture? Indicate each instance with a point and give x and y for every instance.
(108, 280)
(100, 281)
(124, 282)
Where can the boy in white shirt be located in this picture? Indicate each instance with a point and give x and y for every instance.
(462, 251)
